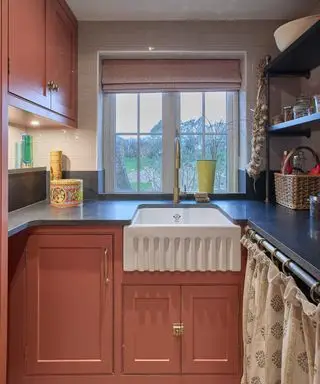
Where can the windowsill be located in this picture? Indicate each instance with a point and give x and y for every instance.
(167, 196)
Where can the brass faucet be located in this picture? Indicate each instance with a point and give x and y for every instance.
(177, 165)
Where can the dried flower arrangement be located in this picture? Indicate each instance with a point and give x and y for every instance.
(260, 121)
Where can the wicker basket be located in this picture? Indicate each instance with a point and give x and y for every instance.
(293, 191)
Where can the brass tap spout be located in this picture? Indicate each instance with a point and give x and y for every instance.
(177, 165)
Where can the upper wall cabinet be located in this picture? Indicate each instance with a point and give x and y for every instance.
(62, 50)
(27, 51)
(43, 59)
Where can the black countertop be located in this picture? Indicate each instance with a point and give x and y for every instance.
(291, 232)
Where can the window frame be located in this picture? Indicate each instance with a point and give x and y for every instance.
(170, 104)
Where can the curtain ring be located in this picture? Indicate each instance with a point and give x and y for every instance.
(251, 236)
(313, 292)
(284, 265)
(259, 244)
(273, 255)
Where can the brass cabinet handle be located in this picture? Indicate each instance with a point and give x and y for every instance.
(50, 85)
(178, 329)
(106, 272)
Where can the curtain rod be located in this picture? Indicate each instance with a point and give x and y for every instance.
(287, 264)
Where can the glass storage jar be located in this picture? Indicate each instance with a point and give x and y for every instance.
(316, 100)
(302, 107)
(287, 113)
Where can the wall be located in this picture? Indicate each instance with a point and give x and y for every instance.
(253, 37)
(14, 136)
(283, 91)
(311, 87)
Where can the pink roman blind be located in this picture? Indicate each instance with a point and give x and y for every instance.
(170, 75)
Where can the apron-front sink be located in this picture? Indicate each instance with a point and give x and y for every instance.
(181, 239)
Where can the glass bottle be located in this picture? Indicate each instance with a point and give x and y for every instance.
(27, 150)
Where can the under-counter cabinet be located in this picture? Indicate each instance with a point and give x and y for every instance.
(69, 304)
(186, 330)
(210, 316)
(43, 59)
(149, 345)
(76, 317)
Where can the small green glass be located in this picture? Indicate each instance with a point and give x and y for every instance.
(27, 150)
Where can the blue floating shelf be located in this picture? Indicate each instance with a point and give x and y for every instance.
(296, 125)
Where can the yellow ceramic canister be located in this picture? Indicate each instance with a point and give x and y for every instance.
(66, 193)
(206, 175)
(55, 165)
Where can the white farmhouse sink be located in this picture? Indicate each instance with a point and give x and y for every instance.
(181, 217)
(181, 239)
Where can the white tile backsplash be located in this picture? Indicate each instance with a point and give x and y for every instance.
(14, 136)
(78, 146)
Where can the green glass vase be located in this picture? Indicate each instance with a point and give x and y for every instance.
(27, 151)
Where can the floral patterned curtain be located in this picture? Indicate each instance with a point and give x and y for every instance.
(301, 342)
(280, 326)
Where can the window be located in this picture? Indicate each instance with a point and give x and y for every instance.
(204, 135)
(140, 130)
(138, 137)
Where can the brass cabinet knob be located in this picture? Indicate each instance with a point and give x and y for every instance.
(177, 329)
(55, 87)
(50, 85)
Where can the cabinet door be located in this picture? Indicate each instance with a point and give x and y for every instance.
(149, 346)
(210, 315)
(69, 304)
(27, 51)
(62, 51)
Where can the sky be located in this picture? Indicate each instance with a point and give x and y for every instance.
(151, 109)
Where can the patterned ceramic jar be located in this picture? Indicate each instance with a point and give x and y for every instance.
(66, 193)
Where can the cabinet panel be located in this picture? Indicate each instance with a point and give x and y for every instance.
(62, 50)
(69, 304)
(149, 346)
(210, 344)
(27, 51)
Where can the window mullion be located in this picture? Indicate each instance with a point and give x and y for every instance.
(232, 102)
(170, 123)
(203, 126)
(138, 143)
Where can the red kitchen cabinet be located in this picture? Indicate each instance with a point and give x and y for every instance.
(62, 50)
(149, 313)
(27, 51)
(69, 311)
(3, 190)
(43, 59)
(211, 342)
(76, 316)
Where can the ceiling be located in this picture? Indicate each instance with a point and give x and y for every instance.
(190, 9)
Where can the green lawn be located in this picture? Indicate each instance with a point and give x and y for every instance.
(131, 165)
